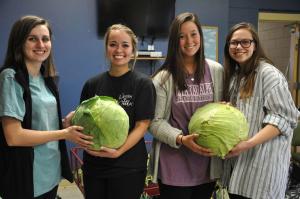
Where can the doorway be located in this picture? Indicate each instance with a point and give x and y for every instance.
(279, 35)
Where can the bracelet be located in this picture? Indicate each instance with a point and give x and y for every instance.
(181, 140)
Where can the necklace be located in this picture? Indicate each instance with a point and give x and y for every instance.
(191, 77)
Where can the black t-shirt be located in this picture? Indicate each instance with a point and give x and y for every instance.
(136, 94)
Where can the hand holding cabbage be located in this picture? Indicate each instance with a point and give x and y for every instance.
(220, 127)
(104, 119)
(189, 141)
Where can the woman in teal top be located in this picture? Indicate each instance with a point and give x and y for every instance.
(32, 159)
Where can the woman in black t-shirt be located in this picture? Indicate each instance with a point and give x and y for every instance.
(120, 173)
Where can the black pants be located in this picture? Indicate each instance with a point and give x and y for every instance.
(49, 195)
(203, 191)
(129, 186)
(233, 196)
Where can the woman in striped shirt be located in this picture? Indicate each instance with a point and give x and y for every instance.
(258, 167)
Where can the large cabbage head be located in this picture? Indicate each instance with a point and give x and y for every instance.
(104, 119)
(220, 127)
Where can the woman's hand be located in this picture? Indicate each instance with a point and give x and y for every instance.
(105, 152)
(67, 120)
(238, 149)
(73, 134)
(264, 135)
(189, 142)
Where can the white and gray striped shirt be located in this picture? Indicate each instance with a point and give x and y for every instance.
(261, 172)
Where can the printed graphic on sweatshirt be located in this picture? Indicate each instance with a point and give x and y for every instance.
(196, 93)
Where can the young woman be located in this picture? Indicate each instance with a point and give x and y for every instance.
(185, 82)
(120, 173)
(32, 160)
(260, 165)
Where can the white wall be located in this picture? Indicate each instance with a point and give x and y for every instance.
(275, 38)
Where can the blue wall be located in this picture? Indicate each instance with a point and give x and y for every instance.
(78, 51)
(245, 10)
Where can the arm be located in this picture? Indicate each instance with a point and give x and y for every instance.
(67, 120)
(265, 134)
(217, 73)
(133, 138)
(16, 135)
(189, 142)
(281, 115)
(160, 127)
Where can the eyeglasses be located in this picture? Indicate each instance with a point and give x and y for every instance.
(245, 43)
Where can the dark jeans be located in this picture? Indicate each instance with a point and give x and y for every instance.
(203, 191)
(49, 195)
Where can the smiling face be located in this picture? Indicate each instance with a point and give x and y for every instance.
(189, 39)
(37, 46)
(241, 54)
(119, 48)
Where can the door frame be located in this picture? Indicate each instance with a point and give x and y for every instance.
(294, 69)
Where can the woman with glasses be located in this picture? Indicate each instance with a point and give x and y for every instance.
(257, 167)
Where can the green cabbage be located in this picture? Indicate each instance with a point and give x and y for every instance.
(104, 119)
(220, 127)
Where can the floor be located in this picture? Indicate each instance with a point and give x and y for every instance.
(67, 190)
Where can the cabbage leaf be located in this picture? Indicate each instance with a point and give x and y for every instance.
(104, 119)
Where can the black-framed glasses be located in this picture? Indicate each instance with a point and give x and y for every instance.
(245, 43)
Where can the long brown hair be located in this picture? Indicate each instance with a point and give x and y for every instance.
(247, 72)
(174, 63)
(17, 38)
